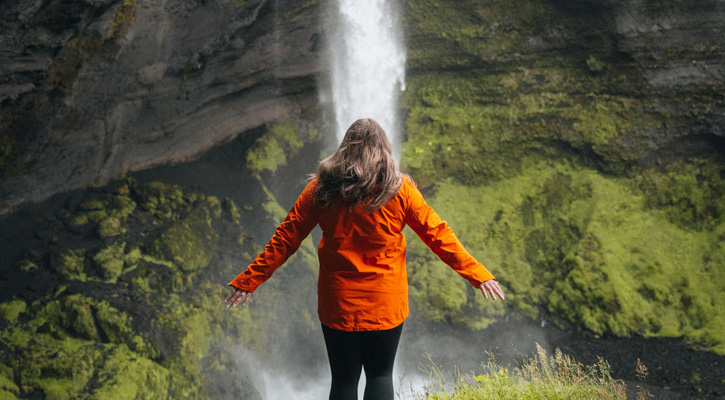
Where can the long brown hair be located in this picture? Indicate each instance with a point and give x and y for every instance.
(362, 172)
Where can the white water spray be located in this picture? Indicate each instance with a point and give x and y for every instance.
(368, 65)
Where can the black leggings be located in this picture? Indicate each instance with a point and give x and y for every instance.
(349, 352)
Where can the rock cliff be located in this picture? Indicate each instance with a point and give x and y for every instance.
(92, 90)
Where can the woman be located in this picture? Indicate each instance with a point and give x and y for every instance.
(361, 202)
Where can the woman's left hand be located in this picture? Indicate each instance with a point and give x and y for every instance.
(491, 286)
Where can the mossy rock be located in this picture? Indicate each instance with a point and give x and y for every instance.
(137, 342)
(69, 263)
(76, 347)
(272, 149)
(110, 226)
(164, 201)
(78, 317)
(12, 309)
(116, 328)
(109, 261)
(95, 204)
(125, 375)
(189, 243)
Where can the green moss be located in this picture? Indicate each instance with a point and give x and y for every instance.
(124, 375)
(496, 98)
(132, 257)
(440, 295)
(233, 210)
(459, 34)
(12, 309)
(189, 243)
(77, 347)
(484, 99)
(212, 206)
(78, 317)
(78, 220)
(96, 216)
(69, 263)
(164, 201)
(110, 226)
(109, 261)
(116, 328)
(589, 249)
(71, 345)
(271, 150)
(109, 212)
(93, 204)
(8, 389)
(121, 205)
(692, 193)
(26, 265)
(482, 127)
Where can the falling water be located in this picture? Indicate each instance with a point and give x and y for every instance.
(368, 65)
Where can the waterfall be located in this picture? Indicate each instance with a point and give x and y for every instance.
(368, 65)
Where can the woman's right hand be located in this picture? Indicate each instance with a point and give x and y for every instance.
(491, 286)
(236, 296)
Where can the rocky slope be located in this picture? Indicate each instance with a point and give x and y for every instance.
(93, 90)
(118, 290)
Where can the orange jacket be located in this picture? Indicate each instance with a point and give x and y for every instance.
(363, 283)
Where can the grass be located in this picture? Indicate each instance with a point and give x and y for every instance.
(543, 376)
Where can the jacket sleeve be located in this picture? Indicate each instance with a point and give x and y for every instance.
(439, 237)
(285, 241)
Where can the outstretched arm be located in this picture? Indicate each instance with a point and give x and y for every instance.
(285, 241)
(439, 237)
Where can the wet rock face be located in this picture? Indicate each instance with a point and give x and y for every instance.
(680, 47)
(91, 90)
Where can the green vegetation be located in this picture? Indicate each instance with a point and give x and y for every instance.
(691, 193)
(148, 319)
(71, 341)
(272, 149)
(110, 261)
(480, 126)
(69, 263)
(81, 345)
(189, 243)
(232, 210)
(528, 139)
(12, 309)
(585, 247)
(541, 377)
